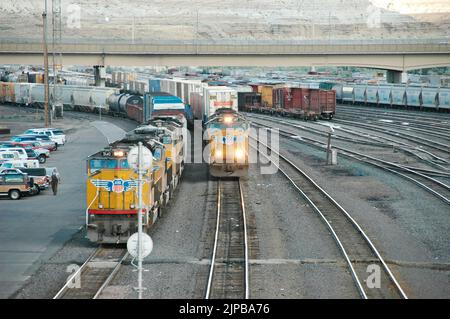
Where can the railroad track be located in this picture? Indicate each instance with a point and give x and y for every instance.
(228, 274)
(429, 184)
(94, 275)
(419, 117)
(378, 141)
(357, 249)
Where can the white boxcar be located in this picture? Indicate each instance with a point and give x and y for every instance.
(413, 96)
(429, 97)
(444, 98)
(372, 94)
(385, 94)
(359, 94)
(398, 95)
(212, 98)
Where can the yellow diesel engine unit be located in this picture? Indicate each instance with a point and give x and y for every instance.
(112, 186)
(227, 134)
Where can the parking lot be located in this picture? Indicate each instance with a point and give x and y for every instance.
(35, 227)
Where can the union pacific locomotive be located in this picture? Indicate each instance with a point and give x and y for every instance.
(227, 134)
(111, 214)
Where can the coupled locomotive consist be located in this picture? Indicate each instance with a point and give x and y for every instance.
(227, 135)
(111, 186)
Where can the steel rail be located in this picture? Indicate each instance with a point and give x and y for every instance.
(407, 148)
(216, 237)
(346, 214)
(65, 289)
(212, 269)
(369, 160)
(244, 219)
(110, 277)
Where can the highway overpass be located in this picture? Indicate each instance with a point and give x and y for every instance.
(388, 56)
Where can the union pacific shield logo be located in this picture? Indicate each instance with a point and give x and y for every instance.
(116, 186)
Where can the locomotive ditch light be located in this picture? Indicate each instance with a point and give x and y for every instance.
(218, 153)
(239, 153)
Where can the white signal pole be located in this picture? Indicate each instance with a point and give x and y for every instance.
(140, 220)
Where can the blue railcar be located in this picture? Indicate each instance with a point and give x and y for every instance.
(154, 85)
(161, 103)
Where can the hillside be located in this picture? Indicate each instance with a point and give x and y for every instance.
(246, 21)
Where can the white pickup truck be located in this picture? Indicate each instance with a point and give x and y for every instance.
(11, 159)
(41, 154)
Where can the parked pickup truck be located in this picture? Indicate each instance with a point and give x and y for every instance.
(39, 176)
(39, 154)
(13, 163)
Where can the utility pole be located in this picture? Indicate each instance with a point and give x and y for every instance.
(57, 104)
(44, 19)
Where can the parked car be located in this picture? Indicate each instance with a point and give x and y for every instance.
(38, 154)
(14, 184)
(35, 145)
(56, 135)
(44, 139)
(7, 156)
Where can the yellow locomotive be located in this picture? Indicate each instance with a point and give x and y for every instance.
(227, 134)
(111, 214)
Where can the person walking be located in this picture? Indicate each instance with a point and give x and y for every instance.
(54, 182)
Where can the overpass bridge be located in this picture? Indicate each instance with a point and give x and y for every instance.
(395, 56)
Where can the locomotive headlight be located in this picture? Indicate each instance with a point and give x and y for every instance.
(228, 119)
(100, 206)
(132, 206)
(239, 153)
(119, 153)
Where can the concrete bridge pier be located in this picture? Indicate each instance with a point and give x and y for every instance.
(393, 76)
(99, 75)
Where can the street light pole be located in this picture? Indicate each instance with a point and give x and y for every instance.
(46, 89)
(140, 220)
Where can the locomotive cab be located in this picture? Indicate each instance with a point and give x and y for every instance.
(227, 136)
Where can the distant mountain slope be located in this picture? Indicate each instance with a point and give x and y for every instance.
(238, 20)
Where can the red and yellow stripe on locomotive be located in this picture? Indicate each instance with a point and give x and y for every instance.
(111, 187)
(227, 134)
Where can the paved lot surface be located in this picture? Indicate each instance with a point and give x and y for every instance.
(34, 228)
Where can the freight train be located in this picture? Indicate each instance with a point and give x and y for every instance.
(204, 99)
(96, 99)
(111, 186)
(390, 95)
